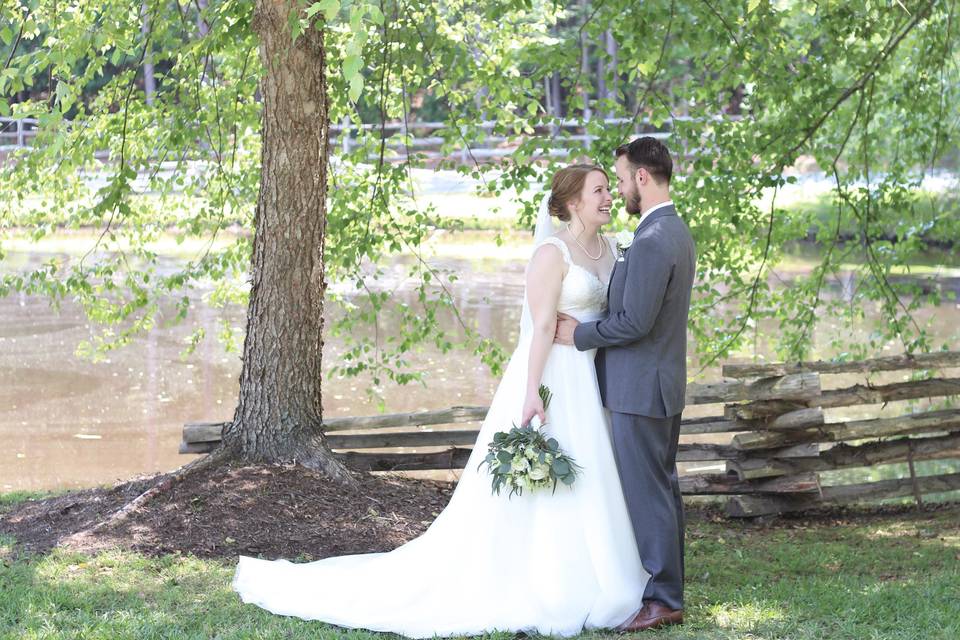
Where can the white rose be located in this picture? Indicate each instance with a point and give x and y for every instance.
(539, 472)
(624, 240)
(519, 464)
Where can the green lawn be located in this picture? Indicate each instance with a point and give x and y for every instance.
(895, 576)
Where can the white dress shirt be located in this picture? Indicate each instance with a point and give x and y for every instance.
(668, 203)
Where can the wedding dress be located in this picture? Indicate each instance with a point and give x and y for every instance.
(539, 563)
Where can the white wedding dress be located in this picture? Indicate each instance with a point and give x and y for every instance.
(539, 563)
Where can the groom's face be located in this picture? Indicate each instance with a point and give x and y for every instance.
(627, 185)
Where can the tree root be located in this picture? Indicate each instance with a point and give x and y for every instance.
(327, 464)
(311, 457)
(218, 456)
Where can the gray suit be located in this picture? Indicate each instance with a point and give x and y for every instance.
(642, 372)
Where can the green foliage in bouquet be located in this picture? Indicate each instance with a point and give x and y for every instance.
(524, 458)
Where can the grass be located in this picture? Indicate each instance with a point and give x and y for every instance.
(890, 577)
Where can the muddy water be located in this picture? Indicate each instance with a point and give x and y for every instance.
(67, 422)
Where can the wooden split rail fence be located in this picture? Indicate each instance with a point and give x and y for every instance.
(773, 415)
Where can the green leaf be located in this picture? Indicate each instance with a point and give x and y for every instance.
(351, 66)
(752, 4)
(545, 396)
(356, 88)
(330, 9)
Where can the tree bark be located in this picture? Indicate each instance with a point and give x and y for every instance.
(279, 414)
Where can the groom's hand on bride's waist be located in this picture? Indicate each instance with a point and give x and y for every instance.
(565, 328)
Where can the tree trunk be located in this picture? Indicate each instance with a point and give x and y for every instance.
(149, 81)
(613, 73)
(278, 416)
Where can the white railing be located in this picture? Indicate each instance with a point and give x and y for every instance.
(490, 146)
(19, 133)
(16, 133)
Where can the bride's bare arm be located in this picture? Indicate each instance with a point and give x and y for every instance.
(544, 280)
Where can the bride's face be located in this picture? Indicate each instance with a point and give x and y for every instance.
(595, 200)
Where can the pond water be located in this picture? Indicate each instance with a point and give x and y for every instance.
(67, 422)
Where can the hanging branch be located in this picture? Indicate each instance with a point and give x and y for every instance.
(16, 42)
(123, 136)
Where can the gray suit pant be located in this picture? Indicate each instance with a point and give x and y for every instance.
(646, 452)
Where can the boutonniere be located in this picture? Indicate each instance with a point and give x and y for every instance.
(624, 240)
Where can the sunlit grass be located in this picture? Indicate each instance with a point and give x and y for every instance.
(729, 615)
(892, 577)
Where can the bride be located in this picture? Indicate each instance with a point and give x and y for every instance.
(540, 563)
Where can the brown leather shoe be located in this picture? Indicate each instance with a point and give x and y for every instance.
(652, 615)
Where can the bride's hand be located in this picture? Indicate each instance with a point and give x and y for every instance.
(532, 406)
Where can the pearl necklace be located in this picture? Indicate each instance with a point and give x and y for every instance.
(580, 244)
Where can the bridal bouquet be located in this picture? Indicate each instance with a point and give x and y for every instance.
(524, 458)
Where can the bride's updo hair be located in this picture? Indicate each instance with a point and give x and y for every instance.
(566, 187)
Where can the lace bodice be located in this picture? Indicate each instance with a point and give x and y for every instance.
(583, 295)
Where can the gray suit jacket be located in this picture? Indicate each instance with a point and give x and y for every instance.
(642, 343)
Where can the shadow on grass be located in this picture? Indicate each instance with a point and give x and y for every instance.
(893, 577)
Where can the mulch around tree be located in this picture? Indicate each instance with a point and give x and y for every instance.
(262, 510)
(291, 512)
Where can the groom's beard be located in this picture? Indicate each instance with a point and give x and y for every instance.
(633, 204)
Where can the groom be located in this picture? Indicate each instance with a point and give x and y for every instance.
(641, 369)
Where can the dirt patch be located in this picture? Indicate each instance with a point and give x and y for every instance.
(269, 510)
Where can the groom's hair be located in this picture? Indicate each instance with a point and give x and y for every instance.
(651, 154)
